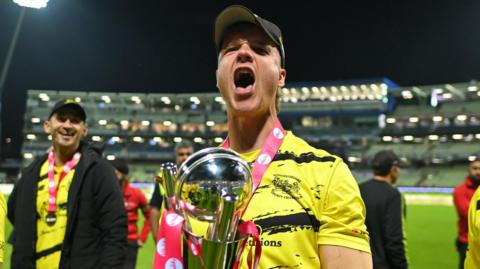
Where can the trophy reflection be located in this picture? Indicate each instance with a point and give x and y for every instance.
(210, 190)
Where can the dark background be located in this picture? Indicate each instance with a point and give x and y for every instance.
(160, 46)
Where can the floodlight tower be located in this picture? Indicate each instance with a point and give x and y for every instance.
(6, 65)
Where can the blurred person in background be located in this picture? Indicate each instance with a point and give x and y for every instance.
(67, 209)
(472, 260)
(3, 217)
(182, 151)
(386, 213)
(462, 194)
(134, 200)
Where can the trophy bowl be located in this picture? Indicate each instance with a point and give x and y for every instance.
(213, 188)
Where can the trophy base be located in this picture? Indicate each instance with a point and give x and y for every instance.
(213, 255)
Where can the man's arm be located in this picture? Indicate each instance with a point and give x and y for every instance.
(461, 202)
(146, 213)
(337, 257)
(155, 205)
(394, 236)
(111, 215)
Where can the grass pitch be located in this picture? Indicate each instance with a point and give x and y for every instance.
(431, 233)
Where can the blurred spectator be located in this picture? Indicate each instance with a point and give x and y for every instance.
(462, 195)
(472, 260)
(182, 151)
(386, 213)
(134, 200)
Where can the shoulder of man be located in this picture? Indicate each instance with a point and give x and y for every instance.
(300, 147)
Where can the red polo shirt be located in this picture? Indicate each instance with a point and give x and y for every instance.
(134, 200)
(462, 194)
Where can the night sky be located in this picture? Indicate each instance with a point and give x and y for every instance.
(155, 46)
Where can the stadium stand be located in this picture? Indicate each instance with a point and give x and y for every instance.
(435, 129)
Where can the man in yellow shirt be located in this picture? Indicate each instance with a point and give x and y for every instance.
(307, 206)
(67, 209)
(472, 260)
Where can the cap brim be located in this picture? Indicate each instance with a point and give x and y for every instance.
(230, 16)
(73, 106)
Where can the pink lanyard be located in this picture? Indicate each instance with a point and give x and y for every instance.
(52, 189)
(168, 250)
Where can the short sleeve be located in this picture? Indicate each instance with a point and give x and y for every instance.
(156, 200)
(342, 220)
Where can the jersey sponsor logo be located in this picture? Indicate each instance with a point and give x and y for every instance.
(306, 157)
(286, 186)
(267, 243)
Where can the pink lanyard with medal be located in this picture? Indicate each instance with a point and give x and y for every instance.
(51, 217)
(168, 251)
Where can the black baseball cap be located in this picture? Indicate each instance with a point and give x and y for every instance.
(384, 160)
(235, 14)
(121, 166)
(71, 103)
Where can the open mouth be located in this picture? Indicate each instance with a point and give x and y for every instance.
(244, 77)
(69, 134)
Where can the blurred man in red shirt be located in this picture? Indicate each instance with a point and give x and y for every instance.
(134, 200)
(461, 197)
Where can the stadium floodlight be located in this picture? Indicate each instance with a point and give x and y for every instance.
(408, 138)
(31, 137)
(477, 136)
(218, 140)
(437, 118)
(457, 136)
(472, 88)
(167, 123)
(210, 123)
(406, 94)
(462, 117)
(447, 95)
(433, 137)
(49, 137)
(478, 93)
(96, 138)
(31, 3)
(78, 99)
(177, 139)
(413, 119)
(27, 155)
(35, 120)
(145, 123)
(110, 157)
(138, 139)
(102, 122)
(472, 158)
(198, 140)
(387, 138)
(391, 120)
(354, 159)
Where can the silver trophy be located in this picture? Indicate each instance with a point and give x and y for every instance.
(212, 189)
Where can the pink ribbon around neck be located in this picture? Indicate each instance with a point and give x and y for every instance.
(168, 252)
(52, 188)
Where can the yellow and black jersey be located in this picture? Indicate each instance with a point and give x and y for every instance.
(472, 260)
(307, 198)
(50, 238)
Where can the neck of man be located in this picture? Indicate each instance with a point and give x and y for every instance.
(247, 134)
(386, 179)
(63, 155)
